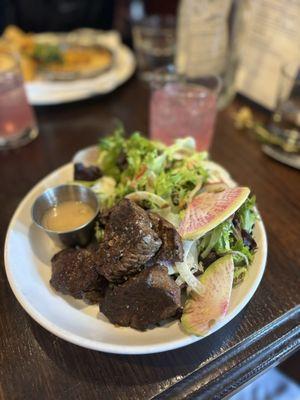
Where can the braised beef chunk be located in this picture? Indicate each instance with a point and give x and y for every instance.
(129, 241)
(171, 249)
(74, 273)
(145, 299)
(83, 173)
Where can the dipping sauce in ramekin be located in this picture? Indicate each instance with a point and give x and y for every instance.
(67, 213)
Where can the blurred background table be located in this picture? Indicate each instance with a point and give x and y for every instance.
(34, 364)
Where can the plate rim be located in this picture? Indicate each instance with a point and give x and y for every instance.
(117, 348)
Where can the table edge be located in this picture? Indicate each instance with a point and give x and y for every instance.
(244, 361)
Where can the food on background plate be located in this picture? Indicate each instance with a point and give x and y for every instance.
(67, 61)
(60, 60)
(173, 236)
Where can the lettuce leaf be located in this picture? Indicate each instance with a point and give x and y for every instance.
(241, 254)
(110, 149)
(247, 214)
(224, 239)
(170, 172)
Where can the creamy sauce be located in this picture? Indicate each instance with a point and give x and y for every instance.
(67, 215)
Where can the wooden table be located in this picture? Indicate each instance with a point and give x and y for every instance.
(37, 365)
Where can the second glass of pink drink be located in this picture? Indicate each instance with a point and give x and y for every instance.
(17, 119)
(184, 108)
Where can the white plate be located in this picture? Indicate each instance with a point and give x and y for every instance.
(27, 260)
(49, 92)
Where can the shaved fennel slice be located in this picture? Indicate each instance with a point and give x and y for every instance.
(152, 197)
(190, 262)
(195, 190)
(239, 253)
(181, 148)
(105, 185)
(218, 173)
(171, 270)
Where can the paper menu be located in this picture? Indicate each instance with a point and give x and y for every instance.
(202, 37)
(269, 38)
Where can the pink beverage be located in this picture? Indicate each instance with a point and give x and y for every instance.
(17, 121)
(183, 109)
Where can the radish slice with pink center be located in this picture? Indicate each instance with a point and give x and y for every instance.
(202, 311)
(208, 210)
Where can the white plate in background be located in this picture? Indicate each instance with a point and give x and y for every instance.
(43, 92)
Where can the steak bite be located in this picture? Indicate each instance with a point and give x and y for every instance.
(129, 242)
(171, 249)
(145, 299)
(74, 273)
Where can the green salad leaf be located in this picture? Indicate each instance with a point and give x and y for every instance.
(139, 164)
(110, 149)
(47, 53)
(226, 238)
(247, 214)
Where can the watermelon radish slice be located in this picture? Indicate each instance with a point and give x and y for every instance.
(215, 187)
(202, 311)
(207, 210)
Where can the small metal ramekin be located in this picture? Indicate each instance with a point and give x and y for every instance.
(56, 195)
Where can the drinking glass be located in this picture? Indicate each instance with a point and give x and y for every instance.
(154, 40)
(184, 107)
(17, 119)
(285, 122)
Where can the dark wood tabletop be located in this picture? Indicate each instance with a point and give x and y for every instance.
(35, 364)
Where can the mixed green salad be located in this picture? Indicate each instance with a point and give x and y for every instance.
(167, 179)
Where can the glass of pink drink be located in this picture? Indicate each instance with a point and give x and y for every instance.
(181, 108)
(17, 119)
